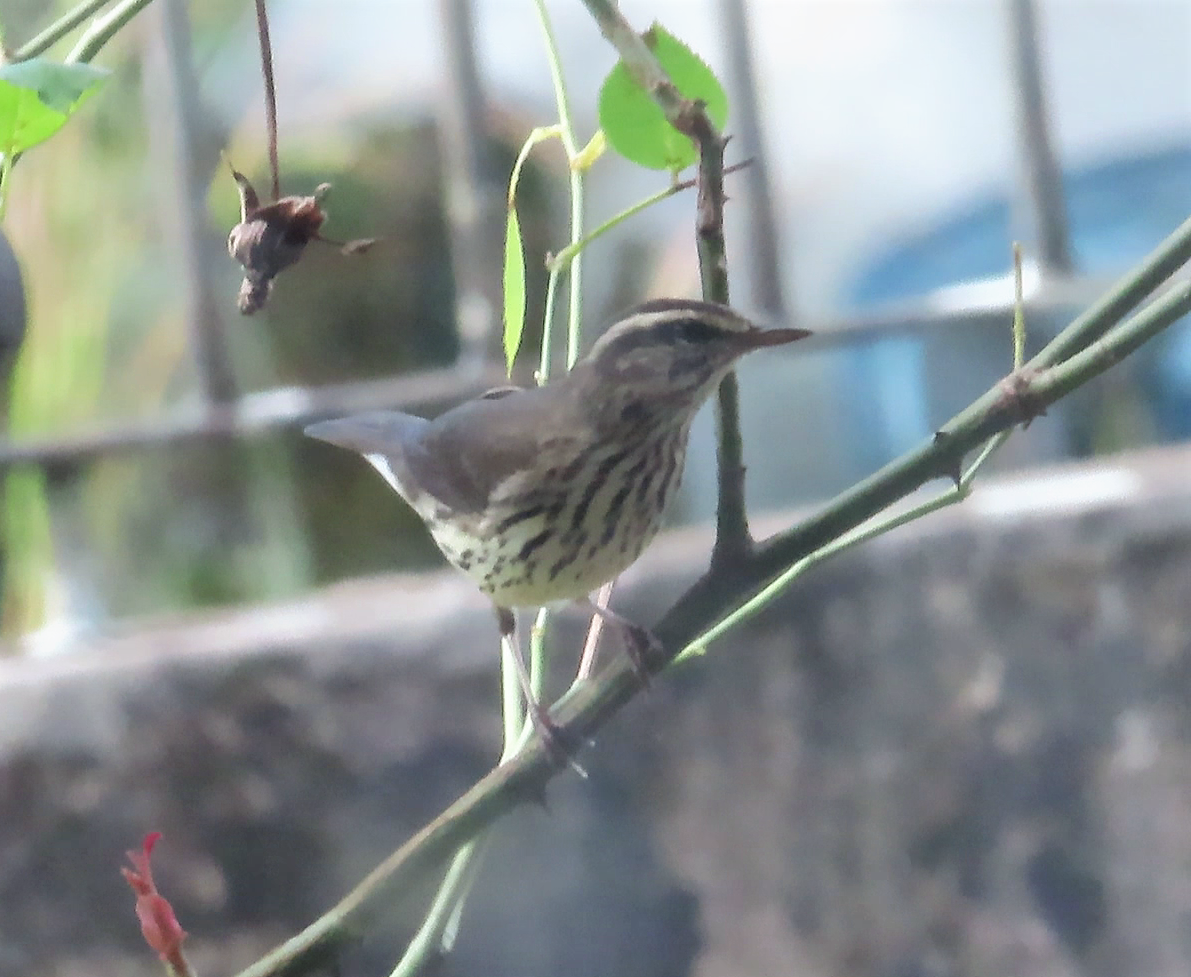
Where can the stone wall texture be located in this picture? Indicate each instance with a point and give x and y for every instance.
(962, 750)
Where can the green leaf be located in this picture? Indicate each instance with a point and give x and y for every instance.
(514, 288)
(37, 97)
(631, 119)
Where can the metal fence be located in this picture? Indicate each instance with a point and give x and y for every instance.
(474, 208)
(473, 197)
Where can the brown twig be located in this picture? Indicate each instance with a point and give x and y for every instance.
(689, 116)
(272, 236)
(262, 30)
(734, 168)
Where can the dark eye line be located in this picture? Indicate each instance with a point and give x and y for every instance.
(696, 330)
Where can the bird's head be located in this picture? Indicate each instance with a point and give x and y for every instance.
(674, 351)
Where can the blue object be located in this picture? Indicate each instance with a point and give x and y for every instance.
(1117, 213)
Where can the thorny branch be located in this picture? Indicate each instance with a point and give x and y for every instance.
(584, 711)
(732, 540)
(1091, 344)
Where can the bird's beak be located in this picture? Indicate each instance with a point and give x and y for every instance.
(760, 338)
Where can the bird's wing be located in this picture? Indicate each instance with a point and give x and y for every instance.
(462, 456)
(477, 446)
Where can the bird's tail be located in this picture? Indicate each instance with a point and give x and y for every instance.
(378, 432)
(387, 439)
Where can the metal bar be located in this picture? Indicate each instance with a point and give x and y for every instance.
(761, 222)
(256, 414)
(1042, 174)
(474, 200)
(971, 305)
(173, 93)
(269, 411)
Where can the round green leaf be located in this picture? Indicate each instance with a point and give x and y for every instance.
(37, 97)
(632, 120)
(60, 86)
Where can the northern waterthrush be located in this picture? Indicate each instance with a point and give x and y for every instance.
(544, 494)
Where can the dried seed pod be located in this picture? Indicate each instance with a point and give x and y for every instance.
(271, 237)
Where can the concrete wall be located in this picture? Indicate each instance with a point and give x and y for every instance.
(964, 750)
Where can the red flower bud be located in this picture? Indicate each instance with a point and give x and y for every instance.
(159, 925)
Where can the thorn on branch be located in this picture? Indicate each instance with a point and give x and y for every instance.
(734, 168)
(534, 791)
(435, 964)
(951, 464)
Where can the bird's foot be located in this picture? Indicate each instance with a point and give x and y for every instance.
(560, 744)
(640, 644)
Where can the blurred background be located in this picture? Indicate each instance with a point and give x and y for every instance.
(152, 461)
(963, 751)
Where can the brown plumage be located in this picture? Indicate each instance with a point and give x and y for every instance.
(544, 494)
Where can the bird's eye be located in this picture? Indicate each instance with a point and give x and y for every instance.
(696, 331)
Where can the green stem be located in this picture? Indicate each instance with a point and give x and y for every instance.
(567, 254)
(57, 30)
(878, 527)
(512, 707)
(437, 932)
(450, 932)
(1052, 384)
(538, 135)
(994, 411)
(537, 653)
(862, 534)
(1118, 301)
(543, 375)
(447, 903)
(103, 29)
(575, 287)
(1019, 311)
(447, 907)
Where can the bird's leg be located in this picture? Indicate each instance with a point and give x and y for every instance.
(551, 735)
(594, 630)
(639, 642)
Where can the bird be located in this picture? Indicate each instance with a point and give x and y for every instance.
(543, 494)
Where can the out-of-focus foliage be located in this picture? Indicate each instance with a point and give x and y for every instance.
(73, 215)
(38, 96)
(94, 218)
